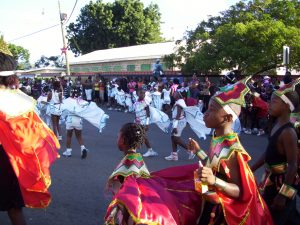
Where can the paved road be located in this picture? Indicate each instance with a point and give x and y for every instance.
(78, 186)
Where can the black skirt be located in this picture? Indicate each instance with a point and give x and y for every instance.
(10, 193)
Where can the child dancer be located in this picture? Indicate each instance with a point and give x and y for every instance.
(281, 181)
(179, 123)
(55, 100)
(181, 115)
(74, 123)
(75, 108)
(172, 190)
(142, 117)
(228, 185)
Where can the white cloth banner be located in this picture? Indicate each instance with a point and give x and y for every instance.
(160, 119)
(194, 117)
(88, 111)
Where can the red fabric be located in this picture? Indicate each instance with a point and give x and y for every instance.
(31, 147)
(249, 208)
(168, 197)
(191, 102)
(262, 106)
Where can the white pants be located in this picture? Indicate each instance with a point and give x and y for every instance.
(73, 122)
(88, 93)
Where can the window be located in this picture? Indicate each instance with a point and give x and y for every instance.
(130, 68)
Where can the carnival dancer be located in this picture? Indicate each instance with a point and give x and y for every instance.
(120, 98)
(55, 99)
(281, 181)
(27, 147)
(168, 196)
(142, 117)
(227, 184)
(75, 109)
(157, 100)
(166, 98)
(43, 106)
(180, 114)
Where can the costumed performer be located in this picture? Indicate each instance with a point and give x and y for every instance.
(74, 109)
(164, 197)
(181, 114)
(227, 184)
(27, 147)
(280, 182)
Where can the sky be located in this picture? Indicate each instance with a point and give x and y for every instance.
(21, 17)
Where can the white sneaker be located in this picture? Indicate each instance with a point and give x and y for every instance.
(67, 153)
(254, 131)
(150, 153)
(261, 132)
(84, 153)
(172, 157)
(248, 131)
(59, 138)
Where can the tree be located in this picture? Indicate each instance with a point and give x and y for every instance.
(21, 55)
(248, 37)
(55, 61)
(118, 24)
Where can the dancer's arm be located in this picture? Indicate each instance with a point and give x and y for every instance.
(230, 188)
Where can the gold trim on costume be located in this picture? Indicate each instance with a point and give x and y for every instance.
(288, 191)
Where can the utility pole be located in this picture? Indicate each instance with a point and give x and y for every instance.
(62, 18)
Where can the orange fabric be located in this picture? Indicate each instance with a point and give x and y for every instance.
(31, 147)
(249, 208)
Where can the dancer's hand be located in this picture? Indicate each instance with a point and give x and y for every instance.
(174, 131)
(206, 175)
(193, 146)
(279, 202)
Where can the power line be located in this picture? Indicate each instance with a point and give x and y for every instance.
(27, 35)
(72, 11)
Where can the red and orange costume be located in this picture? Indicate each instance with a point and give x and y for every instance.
(30, 145)
(164, 197)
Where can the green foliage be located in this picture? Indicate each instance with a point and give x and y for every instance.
(248, 36)
(21, 55)
(54, 61)
(118, 24)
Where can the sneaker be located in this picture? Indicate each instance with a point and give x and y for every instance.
(248, 131)
(84, 153)
(125, 111)
(172, 157)
(254, 131)
(261, 132)
(150, 153)
(67, 153)
(244, 129)
(59, 138)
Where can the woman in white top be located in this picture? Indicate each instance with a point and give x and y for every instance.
(55, 100)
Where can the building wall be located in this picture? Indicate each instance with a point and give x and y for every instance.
(123, 66)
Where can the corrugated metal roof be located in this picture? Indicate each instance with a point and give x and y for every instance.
(137, 52)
